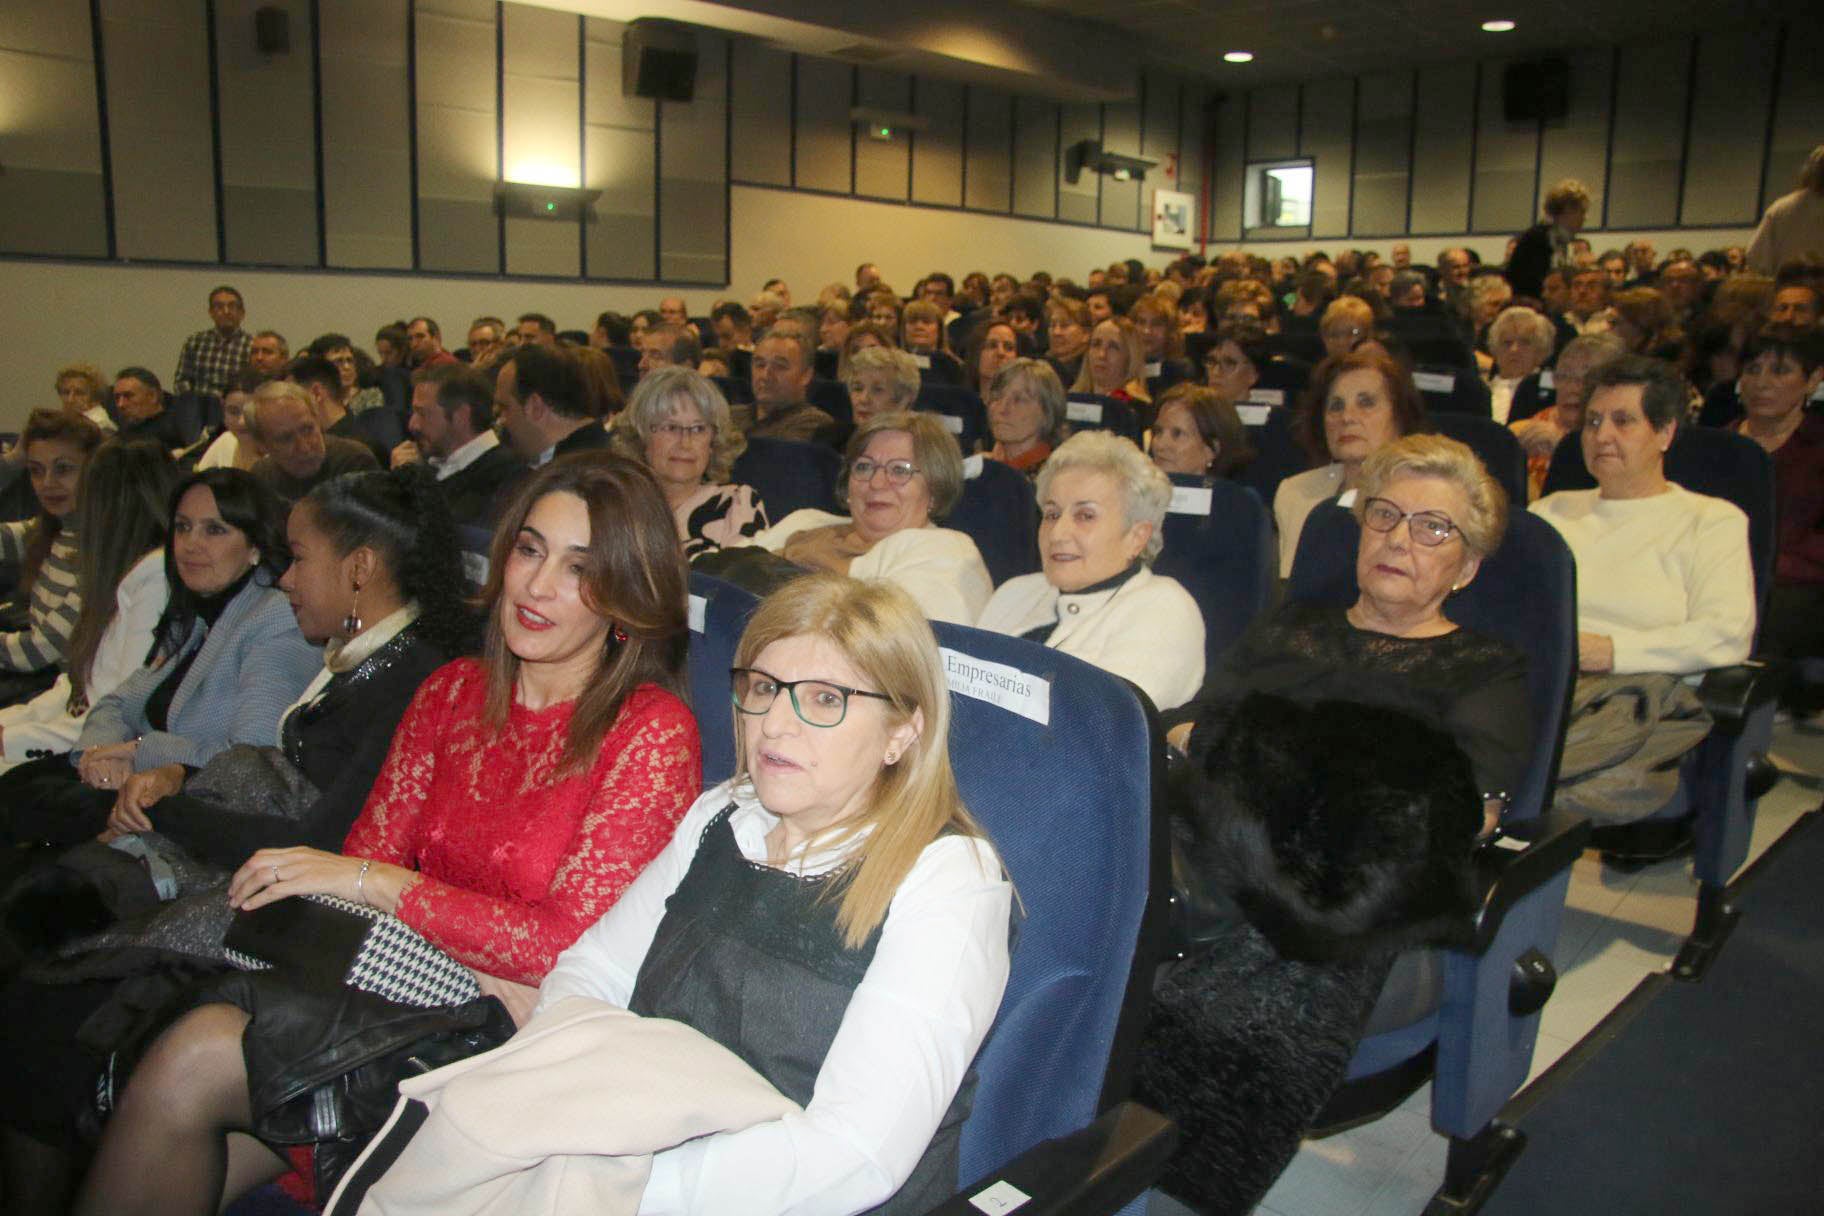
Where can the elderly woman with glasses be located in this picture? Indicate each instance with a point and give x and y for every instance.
(904, 472)
(1430, 514)
(678, 425)
(1101, 505)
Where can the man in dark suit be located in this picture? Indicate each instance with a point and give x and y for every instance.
(543, 406)
(139, 402)
(452, 427)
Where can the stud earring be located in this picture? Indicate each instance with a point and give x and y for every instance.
(892, 759)
(351, 624)
(619, 635)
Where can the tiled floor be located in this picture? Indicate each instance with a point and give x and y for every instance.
(1617, 929)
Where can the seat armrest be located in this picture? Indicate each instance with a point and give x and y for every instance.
(1535, 851)
(1732, 693)
(1091, 1172)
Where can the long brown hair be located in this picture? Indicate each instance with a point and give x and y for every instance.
(53, 426)
(634, 575)
(126, 502)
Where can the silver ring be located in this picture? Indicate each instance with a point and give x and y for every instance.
(275, 874)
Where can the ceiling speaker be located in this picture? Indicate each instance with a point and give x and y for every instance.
(1538, 90)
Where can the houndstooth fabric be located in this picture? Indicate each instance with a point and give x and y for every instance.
(393, 962)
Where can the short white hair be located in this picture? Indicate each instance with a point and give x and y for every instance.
(1145, 491)
(1534, 325)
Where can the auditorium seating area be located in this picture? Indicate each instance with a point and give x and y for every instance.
(1576, 927)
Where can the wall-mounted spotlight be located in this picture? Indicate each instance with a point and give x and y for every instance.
(522, 200)
(1088, 154)
(884, 126)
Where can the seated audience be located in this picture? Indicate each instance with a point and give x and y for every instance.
(1067, 329)
(1025, 414)
(833, 324)
(881, 380)
(904, 472)
(1356, 404)
(120, 587)
(1198, 433)
(862, 335)
(322, 384)
(452, 429)
(1540, 434)
(1783, 368)
(1233, 366)
(1156, 321)
(79, 389)
(993, 347)
(235, 447)
(356, 391)
(670, 346)
(733, 327)
(1665, 589)
(1346, 322)
(1101, 505)
(886, 921)
(1642, 319)
(37, 619)
(299, 456)
(783, 366)
(1115, 366)
(922, 334)
(523, 793)
(678, 424)
(544, 405)
(1520, 340)
(1430, 515)
(226, 660)
(139, 404)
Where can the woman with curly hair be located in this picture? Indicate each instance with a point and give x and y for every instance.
(678, 425)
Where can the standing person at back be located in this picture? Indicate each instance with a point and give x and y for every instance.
(1794, 223)
(1546, 246)
(210, 357)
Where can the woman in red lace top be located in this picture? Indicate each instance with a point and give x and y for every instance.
(524, 791)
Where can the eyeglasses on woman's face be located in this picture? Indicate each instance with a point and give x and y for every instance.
(682, 430)
(1428, 528)
(816, 702)
(898, 472)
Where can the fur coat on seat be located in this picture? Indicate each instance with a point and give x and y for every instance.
(1339, 834)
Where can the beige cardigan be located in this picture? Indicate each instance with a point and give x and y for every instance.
(564, 1117)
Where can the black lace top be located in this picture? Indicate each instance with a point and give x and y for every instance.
(1473, 686)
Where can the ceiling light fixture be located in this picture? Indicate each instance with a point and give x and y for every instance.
(1501, 26)
(1238, 56)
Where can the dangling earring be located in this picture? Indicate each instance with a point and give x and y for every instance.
(351, 624)
(618, 634)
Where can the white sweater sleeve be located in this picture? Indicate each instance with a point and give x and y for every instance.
(940, 568)
(1719, 620)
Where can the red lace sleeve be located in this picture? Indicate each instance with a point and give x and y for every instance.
(646, 778)
(385, 829)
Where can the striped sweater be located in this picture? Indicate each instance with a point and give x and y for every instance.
(55, 603)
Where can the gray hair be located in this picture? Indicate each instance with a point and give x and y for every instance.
(1536, 327)
(1596, 349)
(892, 362)
(1042, 378)
(1485, 285)
(1145, 491)
(1485, 523)
(274, 390)
(657, 397)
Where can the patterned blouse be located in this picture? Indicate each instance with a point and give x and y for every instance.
(516, 863)
(55, 602)
(718, 516)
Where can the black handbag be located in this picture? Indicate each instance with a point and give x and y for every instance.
(331, 942)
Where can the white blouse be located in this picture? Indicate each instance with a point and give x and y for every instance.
(912, 1028)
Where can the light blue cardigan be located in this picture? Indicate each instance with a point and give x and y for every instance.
(254, 663)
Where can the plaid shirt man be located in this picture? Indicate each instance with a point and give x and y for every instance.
(210, 360)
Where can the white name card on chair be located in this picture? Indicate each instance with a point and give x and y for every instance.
(1254, 415)
(921, 360)
(1083, 411)
(699, 611)
(1267, 396)
(1434, 382)
(1154, 368)
(972, 466)
(1191, 500)
(1000, 1198)
(1546, 383)
(952, 423)
(998, 684)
